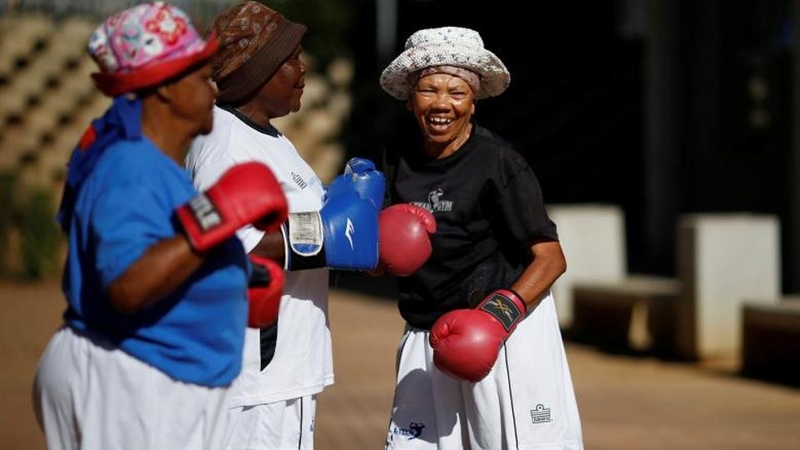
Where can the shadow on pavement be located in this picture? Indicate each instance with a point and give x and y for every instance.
(384, 287)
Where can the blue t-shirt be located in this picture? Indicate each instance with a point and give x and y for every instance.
(127, 204)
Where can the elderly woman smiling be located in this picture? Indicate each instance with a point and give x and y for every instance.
(482, 364)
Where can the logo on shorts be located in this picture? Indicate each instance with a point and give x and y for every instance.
(540, 414)
(413, 431)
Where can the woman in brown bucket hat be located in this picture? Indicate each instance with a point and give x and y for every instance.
(261, 77)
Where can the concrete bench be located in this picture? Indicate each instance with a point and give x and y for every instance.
(592, 237)
(771, 340)
(636, 314)
(723, 259)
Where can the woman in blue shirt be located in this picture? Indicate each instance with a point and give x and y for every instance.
(156, 282)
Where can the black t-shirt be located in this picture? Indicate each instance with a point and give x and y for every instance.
(489, 211)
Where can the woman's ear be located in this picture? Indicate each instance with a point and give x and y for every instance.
(164, 92)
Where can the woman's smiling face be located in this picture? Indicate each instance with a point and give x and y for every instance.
(443, 106)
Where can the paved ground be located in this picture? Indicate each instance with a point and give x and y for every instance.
(625, 402)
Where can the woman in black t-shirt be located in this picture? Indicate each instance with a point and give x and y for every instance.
(482, 363)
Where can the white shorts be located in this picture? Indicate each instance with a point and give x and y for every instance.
(526, 402)
(274, 426)
(88, 395)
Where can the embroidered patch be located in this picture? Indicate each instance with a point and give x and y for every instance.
(540, 414)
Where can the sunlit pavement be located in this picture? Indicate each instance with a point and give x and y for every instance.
(626, 402)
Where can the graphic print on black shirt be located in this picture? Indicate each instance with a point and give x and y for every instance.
(488, 208)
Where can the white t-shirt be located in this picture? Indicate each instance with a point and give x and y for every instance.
(303, 361)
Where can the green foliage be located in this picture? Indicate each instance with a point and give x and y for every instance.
(8, 183)
(328, 23)
(30, 213)
(40, 235)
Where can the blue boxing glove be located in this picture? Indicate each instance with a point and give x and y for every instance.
(369, 183)
(344, 234)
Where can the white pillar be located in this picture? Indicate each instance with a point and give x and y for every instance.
(724, 259)
(593, 239)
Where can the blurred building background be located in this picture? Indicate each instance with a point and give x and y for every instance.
(661, 107)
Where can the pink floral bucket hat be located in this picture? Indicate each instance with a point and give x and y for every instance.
(145, 45)
(445, 46)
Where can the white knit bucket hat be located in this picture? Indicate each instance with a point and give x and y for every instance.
(445, 46)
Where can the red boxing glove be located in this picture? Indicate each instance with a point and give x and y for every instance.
(466, 342)
(266, 288)
(403, 239)
(247, 193)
